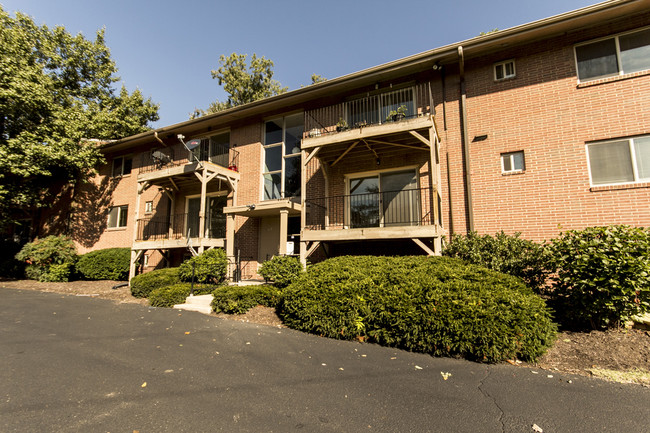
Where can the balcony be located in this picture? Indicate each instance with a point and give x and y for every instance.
(409, 213)
(178, 155)
(172, 232)
(387, 109)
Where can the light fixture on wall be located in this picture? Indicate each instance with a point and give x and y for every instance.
(250, 206)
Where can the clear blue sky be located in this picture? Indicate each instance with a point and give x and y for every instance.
(167, 48)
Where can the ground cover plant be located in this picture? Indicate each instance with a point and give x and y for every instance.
(435, 305)
(106, 264)
(49, 259)
(240, 299)
(603, 275)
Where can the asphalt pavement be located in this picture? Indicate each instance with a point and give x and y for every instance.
(79, 364)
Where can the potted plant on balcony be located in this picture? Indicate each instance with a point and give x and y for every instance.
(342, 125)
(397, 115)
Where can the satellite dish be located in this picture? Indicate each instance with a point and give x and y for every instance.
(193, 144)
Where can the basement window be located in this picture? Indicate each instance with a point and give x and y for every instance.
(504, 70)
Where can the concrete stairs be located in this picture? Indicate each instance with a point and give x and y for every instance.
(200, 303)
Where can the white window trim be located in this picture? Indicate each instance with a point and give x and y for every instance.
(616, 37)
(512, 162)
(148, 206)
(121, 173)
(119, 214)
(284, 156)
(505, 76)
(635, 169)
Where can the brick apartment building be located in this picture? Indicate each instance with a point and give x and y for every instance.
(534, 129)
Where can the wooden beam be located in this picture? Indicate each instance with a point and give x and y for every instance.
(311, 155)
(398, 145)
(422, 245)
(312, 248)
(370, 148)
(420, 137)
(173, 184)
(344, 153)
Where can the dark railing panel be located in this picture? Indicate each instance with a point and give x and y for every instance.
(410, 207)
(177, 154)
(156, 228)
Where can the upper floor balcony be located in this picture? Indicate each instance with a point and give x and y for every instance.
(396, 111)
(172, 166)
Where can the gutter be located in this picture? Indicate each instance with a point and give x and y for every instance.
(465, 141)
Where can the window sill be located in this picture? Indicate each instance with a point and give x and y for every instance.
(512, 173)
(600, 81)
(116, 229)
(620, 187)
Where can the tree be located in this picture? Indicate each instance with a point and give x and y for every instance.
(243, 82)
(56, 92)
(315, 79)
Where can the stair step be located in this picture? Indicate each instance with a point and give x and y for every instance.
(199, 299)
(205, 309)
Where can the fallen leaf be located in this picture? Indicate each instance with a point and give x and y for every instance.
(566, 340)
(445, 376)
(417, 367)
(549, 376)
(187, 332)
(144, 385)
(537, 428)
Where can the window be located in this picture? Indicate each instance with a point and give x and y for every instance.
(620, 161)
(504, 70)
(619, 55)
(384, 199)
(512, 162)
(117, 216)
(148, 207)
(281, 173)
(145, 260)
(121, 166)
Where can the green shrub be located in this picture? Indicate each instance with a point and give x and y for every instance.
(142, 285)
(503, 253)
(210, 267)
(240, 299)
(107, 264)
(603, 275)
(436, 305)
(281, 270)
(42, 254)
(168, 296)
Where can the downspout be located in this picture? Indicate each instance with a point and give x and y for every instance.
(465, 141)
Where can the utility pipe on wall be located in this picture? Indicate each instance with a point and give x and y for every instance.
(465, 141)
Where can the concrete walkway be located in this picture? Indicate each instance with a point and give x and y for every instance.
(76, 364)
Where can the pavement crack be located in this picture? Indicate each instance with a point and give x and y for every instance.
(491, 398)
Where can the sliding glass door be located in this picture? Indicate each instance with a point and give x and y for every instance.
(384, 199)
(215, 224)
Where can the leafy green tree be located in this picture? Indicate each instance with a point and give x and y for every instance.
(57, 93)
(243, 82)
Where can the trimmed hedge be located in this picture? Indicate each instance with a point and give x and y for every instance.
(107, 264)
(142, 285)
(168, 296)
(511, 255)
(603, 275)
(436, 305)
(49, 259)
(281, 270)
(209, 267)
(240, 299)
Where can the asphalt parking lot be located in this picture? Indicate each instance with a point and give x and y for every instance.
(77, 364)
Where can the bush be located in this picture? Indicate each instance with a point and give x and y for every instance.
(240, 299)
(503, 253)
(603, 275)
(281, 270)
(142, 285)
(107, 264)
(42, 254)
(168, 296)
(436, 305)
(210, 267)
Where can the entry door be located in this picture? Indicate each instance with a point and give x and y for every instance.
(193, 209)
